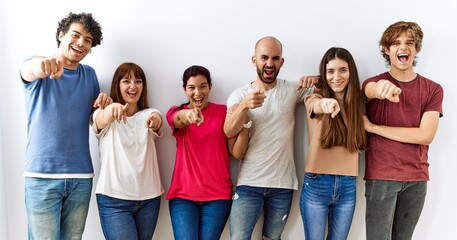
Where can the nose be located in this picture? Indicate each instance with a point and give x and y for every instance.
(197, 91)
(79, 42)
(131, 83)
(403, 46)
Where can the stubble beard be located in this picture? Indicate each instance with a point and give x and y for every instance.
(267, 80)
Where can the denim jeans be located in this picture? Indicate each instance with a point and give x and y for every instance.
(57, 208)
(198, 220)
(127, 219)
(393, 208)
(248, 203)
(327, 199)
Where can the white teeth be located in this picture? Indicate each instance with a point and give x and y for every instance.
(80, 51)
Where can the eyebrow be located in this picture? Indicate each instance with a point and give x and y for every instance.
(89, 37)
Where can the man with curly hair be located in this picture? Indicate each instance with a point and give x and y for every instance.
(60, 96)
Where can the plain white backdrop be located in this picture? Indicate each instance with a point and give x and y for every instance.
(165, 37)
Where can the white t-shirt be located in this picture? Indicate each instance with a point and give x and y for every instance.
(129, 168)
(269, 160)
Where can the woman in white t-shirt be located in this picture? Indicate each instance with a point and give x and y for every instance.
(129, 186)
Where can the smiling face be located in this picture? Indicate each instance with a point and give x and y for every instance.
(131, 88)
(402, 53)
(197, 91)
(75, 44)
(337, 74)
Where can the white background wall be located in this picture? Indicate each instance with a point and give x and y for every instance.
(165, 37)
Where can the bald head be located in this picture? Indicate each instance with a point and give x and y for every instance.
(269, 42)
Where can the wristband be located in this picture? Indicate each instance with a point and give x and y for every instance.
(248, 124)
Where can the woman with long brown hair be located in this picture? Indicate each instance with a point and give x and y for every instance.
(336, 136)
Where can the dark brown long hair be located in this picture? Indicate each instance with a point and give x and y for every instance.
(123, 70)
(335, 131)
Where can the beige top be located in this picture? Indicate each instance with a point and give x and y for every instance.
(336, 160)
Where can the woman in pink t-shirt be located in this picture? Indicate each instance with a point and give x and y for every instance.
(201, 188)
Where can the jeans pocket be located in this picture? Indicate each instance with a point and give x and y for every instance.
(311, 175)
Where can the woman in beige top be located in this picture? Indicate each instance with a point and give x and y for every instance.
(336, 136)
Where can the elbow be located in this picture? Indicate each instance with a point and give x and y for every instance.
(426, 141)
(237, 156)
(229, 132)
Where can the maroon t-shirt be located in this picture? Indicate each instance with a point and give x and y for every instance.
(392, 160)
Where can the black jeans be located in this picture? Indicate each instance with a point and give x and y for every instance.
(393, 208)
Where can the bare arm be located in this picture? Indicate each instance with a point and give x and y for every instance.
(326, 106)
(154, 122)
(238, 116)
(422, 135)
(41, 67)
(185, 117)
(238, 146)
(382, 89)
(308, 82)
(235, 119)
(112, 112)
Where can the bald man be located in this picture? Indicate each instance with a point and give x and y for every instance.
(267, 177)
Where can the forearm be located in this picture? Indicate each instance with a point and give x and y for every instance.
(238, 146)
(423, 135)
(103, 119)
(31, 70)
(404, 135)
(235, 120)
(370, 90)
(180, 120)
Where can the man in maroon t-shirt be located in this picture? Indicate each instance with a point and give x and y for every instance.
(402, 112)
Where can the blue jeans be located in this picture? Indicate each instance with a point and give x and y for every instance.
(128, 219)
(248, 203)
(198, 220)
(327, 198)
(57, 208)
(393, 208)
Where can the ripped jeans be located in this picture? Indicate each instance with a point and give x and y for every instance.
(247, 206)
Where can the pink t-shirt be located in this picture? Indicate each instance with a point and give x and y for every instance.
(391, 160)
(202, 167)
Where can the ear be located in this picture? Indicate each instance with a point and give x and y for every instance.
(282, 61)
(61, 34)
(387, 50)
(254, 60)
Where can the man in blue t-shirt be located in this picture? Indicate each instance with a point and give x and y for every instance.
(60, 96)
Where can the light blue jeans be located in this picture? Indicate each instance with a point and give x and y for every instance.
(198, 220)
(327, 198)
(127, 219)
(57, 208)
(393, 208)
(248, 204)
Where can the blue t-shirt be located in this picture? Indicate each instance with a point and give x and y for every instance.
(58, 114)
